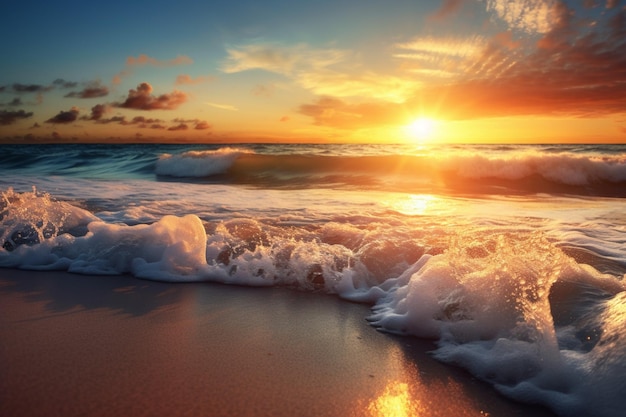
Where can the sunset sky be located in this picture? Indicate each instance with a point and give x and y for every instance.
(305, 71)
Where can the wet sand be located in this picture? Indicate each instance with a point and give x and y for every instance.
(73, 345)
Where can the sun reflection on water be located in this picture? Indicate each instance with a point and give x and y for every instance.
(415, 398)
(395, 401)
(415, 204)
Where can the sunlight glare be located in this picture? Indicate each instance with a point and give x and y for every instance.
(422, 129)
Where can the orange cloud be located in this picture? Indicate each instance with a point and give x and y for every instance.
(142, 99)
(144, 59)
(202, 125)
(185, 79)
(330, 111)
(180, 126)
(448, 8)
(573, 69)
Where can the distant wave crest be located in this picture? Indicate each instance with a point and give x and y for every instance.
(435, 170)
(198, 163)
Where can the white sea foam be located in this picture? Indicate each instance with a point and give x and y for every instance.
(490, 310)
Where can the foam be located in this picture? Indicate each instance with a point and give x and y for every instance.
(32, 217)
(490, 310)
(562, 168)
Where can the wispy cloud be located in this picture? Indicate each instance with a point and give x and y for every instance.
(331, 111)
(322, 71)
(185, 79)
(229, 107)
(144, 59)
(280, 59)
(448, 8)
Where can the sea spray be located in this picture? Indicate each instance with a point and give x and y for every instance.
(488, 305)
(32, 217)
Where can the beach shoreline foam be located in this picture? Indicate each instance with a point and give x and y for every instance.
(116, 345)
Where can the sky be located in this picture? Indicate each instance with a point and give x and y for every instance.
(329, 71)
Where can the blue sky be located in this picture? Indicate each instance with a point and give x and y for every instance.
(343, 70)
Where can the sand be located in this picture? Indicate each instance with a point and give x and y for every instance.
(73, 345)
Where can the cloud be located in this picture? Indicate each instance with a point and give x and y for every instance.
(229, 107)
(279, 59)
(448, 8)
(450, 59)
(145, 120)
(61, 83)
(202, 125)
(331, 111)
(30, 88)
(115, 119)
(117, 78)
(142, 99)
(530, 16)
(98, 111)
(330, 71)
(185, 79)
(181, 126)
(8, 117)
(198, 124)
(92, 90)
(16, 102)
(430, 48)
(573, 69)
(65, 117)
(144, 59)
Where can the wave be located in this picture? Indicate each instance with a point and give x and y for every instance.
(510, 306)
(458, 171)
(198, 163)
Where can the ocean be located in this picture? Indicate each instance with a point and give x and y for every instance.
(510, 257)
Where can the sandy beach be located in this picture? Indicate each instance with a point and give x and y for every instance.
(76, 345)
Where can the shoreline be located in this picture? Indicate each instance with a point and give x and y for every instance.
(116, 345)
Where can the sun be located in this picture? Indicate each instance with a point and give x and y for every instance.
(422, 129)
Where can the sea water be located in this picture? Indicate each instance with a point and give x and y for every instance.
(512, 258)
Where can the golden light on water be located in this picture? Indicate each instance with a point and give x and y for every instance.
(415, 398)
(417, 204)
(395, 401)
